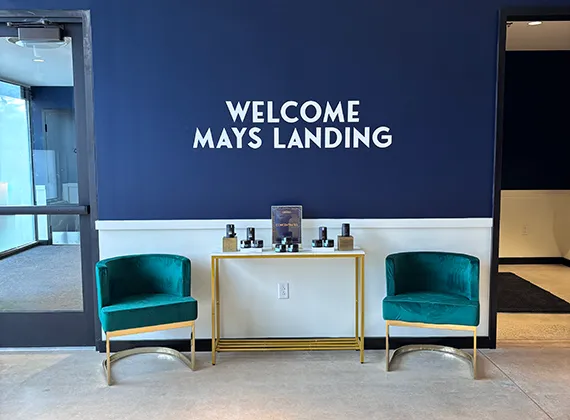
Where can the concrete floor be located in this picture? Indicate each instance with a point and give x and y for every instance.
(543, 329)
(516, 384)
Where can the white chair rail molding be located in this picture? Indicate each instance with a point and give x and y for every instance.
(317, 305)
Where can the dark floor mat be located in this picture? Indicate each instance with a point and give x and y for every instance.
(519, 295)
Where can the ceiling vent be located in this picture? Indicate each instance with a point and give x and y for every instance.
(40, 35)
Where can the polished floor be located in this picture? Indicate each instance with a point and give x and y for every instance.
(515, 384)
(43, 278)
(543, 329)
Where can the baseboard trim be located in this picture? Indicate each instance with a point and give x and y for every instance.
(370, 343)
(535, 260)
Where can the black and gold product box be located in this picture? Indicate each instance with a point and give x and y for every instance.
(286, 223)
(230, 241)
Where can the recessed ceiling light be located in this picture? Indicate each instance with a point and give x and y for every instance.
(534, 23)
(38, 60)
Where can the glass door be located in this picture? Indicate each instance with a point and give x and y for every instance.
(46, 227)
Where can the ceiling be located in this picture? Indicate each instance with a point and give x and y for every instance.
(17, 65)
(547, 36)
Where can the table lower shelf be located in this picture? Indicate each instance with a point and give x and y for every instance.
(282, 344)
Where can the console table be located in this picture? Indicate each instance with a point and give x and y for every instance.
(355, 342)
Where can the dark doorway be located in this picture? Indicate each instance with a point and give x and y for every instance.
(517, 18)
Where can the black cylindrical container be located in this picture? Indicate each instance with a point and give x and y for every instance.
(345, 229)
(251, 233)
(323, 233)
(230, 231)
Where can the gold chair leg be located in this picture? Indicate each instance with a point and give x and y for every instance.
(193, 348)
(142, 350)
(110, 359)
(108, 346)
(472, 360)
(387, 346)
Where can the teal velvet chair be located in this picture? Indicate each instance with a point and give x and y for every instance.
(143, 293)
(432, 290)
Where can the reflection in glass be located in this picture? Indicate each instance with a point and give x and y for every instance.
(38, 147)
(42, 278)
(40, 256)
(16, 187)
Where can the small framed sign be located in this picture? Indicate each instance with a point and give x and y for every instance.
(286, 221)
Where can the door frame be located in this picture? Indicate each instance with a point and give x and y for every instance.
(19, 323)
(507, 15)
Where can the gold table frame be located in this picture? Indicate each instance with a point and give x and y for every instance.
(220, 344)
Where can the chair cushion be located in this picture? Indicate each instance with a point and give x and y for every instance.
(431, 308)
(147, 310)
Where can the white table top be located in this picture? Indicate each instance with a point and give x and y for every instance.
(270, 253)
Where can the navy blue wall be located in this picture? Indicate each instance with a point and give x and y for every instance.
(44, 97)
(425, 68)
(536, 148)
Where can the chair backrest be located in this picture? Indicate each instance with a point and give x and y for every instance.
(430, 271)
(144, 274)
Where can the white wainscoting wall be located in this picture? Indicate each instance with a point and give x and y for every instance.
(535, 223)
(321, 302)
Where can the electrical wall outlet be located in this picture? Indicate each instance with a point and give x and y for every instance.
(525, 230)
(283, 290)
